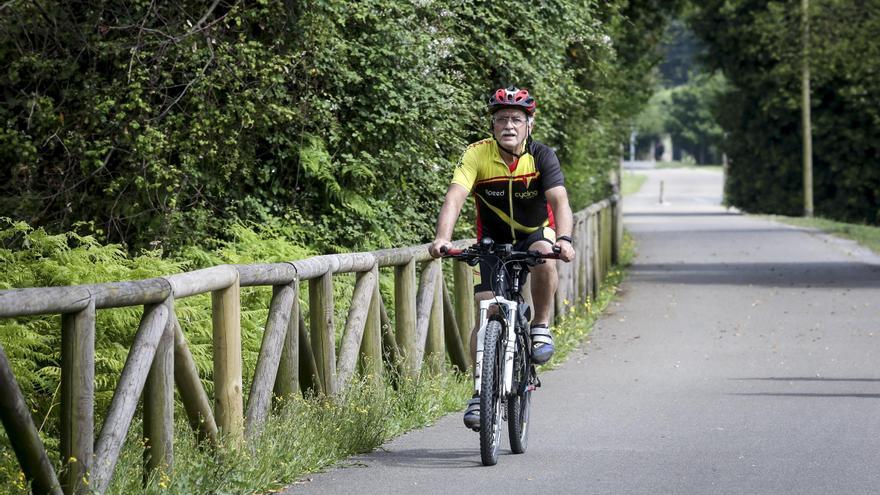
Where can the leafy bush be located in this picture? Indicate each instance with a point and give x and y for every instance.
(758, 47)
(163, 124)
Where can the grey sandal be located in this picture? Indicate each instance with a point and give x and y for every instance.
(542, 343)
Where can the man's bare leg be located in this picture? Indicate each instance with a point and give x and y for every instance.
(544, 281)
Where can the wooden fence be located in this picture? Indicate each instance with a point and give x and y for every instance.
(429, 325)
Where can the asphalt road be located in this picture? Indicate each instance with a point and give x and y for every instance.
(742, 356)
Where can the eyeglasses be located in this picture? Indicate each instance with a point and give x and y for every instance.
(503, 121)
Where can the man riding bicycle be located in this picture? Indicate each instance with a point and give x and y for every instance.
(520, 196)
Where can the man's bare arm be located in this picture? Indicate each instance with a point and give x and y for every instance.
(558, 199)
(456, 195)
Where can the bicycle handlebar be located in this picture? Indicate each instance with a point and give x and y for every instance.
(475, 251)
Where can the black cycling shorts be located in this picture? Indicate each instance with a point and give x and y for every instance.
(485, 275)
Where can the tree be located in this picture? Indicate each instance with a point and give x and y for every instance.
(756, 44)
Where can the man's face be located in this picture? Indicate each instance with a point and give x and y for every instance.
(510, 127)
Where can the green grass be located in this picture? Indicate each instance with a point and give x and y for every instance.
(865, 235)
(302, 436)
(631, 182)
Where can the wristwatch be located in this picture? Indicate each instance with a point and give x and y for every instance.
(564, 238)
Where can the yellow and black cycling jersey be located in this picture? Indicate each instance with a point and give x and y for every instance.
(510, 201)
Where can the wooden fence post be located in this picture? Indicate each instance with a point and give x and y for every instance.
(405, 315)
(323, 337)
(583, 260)
(457, 355)
(596, 258)
(609, 222)
(424, 303)
(603, 252)
(159, 404)
(127, 394)
(23, 435)
(287, 379)
(77, 397)
(390, 352)
(195, 400)
(435, 350)
(309, 377)
(463, 287)
(371, 343)
(228, 400)
(271, 347)
(352, 337)
(575, 266)
(617, 247)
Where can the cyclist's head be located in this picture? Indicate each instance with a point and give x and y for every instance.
(512, 97)
(513, 111)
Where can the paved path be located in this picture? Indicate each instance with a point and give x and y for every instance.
(742, 356)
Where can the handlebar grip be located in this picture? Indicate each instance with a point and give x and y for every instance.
(450, 251)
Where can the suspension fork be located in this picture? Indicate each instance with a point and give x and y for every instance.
(507, 315)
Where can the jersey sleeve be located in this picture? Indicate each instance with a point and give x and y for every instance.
(466, 171)
(547, 163)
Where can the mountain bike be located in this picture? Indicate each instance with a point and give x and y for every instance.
(504, 376)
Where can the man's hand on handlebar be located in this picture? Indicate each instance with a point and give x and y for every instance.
(566, 252)
(437, 247)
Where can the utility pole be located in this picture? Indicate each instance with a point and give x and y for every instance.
(805, 109)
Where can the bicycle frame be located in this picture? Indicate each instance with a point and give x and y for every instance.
(507, 313)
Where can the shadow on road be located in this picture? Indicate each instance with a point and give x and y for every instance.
(715, 232)
(814, 395)
(783, 275)
(425, 458)
(631, 214)
(807, 379)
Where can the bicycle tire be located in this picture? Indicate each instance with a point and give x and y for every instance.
(490, 394)
(519, 403)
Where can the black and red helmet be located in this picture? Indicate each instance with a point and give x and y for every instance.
(512, 97)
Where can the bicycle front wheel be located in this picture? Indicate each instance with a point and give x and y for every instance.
(490, 394)
(519, 403)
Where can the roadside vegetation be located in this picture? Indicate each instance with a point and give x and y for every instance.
(304, 435)
(164, 124)
(730, 85)
(866, 235)
(631, 182)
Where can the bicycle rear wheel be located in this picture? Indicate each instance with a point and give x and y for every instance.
(519, 403)
(490, 394)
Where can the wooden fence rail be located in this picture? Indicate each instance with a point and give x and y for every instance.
(429, 325)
